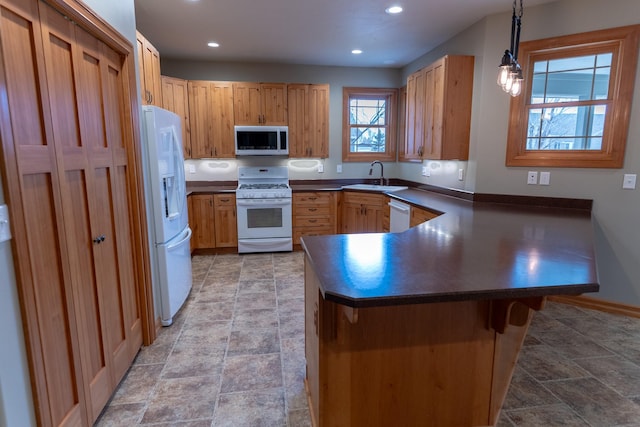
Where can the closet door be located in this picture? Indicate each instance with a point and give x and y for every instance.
(86, 101)
(45, 272)
(63, 128)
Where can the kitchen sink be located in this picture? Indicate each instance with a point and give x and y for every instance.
(375, 187)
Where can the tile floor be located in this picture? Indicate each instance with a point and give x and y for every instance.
(235, 357)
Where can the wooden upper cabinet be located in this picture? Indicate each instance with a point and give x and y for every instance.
(438, 111)
(414, 118)
(308, 106)
(260, 103)
(150, 79)
(211, 119)
(175, 98)
(223, 137)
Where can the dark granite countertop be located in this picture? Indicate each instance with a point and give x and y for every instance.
(474, 250)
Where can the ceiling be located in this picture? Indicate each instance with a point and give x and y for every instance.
(312, 32)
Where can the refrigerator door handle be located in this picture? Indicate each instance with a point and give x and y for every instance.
(186, 238)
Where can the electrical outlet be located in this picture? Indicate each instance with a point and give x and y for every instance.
(545, 178)
(532, 177)
(192, 168)
(320, 168)
(460, 174)
(629, 181)
(425, 171)
(339, 168)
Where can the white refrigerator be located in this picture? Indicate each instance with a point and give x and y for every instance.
(162, 139)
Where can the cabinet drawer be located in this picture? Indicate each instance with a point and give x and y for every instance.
(317, 231)
(224, 200)
(312, 221)
(312, 198)
(363, 198)
(311, 210)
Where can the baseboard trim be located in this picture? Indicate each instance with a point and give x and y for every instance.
(598, 304)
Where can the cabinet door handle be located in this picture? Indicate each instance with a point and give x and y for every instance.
(99, 239)
(312, 209)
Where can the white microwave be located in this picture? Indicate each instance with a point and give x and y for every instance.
(262, 140)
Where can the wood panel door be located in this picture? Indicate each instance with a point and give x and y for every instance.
(308, 118)
(226, 220)
(29, 157)
(203, 221)
(175, 97)
(318, 120)
(64, 132)
(274, 104)
(247, 103)
(200, 119)
(298, 100)
(150, 78)
(222, 130)
(415, 125)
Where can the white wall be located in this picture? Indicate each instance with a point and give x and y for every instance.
(615, 211)
(16, 406)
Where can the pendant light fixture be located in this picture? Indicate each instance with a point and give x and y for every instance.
(510, 74)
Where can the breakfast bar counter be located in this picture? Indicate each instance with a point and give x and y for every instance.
(423, 327)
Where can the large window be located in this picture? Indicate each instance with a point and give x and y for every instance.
(574, 110)
(369, 124)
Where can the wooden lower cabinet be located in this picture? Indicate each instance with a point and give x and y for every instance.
(213, 221)
(226, 221)
(314, 214)
(445, 364)
(418, 216)
(203, 225)
(363, 212)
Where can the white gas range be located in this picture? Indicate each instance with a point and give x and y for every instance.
(263, 200)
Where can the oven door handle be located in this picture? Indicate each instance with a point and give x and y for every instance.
(266, 203)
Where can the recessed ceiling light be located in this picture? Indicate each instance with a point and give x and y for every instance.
(213, 44)
(392, 10)
(356, 51)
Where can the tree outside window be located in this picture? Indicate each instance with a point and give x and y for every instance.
(369, 124)
(574, 110)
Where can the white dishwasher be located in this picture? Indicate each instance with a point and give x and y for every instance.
(399, 216)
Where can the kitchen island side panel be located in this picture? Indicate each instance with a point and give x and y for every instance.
(433, 364)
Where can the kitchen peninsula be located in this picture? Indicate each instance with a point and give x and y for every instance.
(423, 328)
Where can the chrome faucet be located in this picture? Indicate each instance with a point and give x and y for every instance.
(381, 170)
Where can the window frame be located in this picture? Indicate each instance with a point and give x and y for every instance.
(624, 43)
(391, 95)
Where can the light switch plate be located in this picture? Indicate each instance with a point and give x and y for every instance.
(5, 229)
(339, 168)
(629, 181)
(425, 171)
(545, 178)
(320, 168)
(192, 168)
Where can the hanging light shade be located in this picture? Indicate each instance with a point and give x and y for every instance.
(510, 73)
